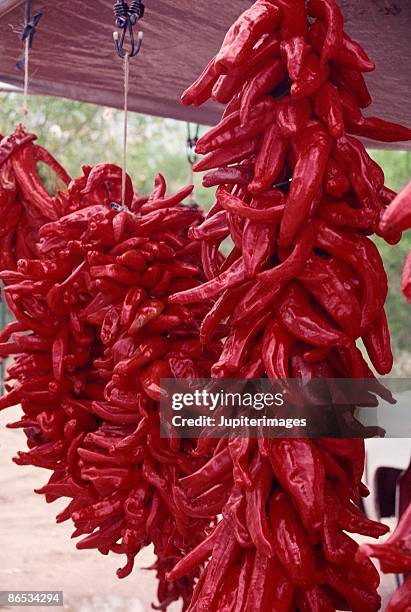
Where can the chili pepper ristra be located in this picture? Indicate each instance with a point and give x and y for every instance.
(92, 337)
(299, 195)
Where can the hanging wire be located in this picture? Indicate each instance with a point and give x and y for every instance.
(27, 37)
(192, 139)
(125, 128)
(127, 16)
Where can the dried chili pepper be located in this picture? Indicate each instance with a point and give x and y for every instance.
(318, 284)
(259, 19)
(91, 299)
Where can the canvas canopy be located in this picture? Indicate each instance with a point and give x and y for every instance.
(73, 54)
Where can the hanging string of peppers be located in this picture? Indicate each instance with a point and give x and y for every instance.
(395, 557)
(20, 185)
(299, 195)
(90, 285)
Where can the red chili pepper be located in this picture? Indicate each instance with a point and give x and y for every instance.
(229, 84)
(294, 18)
(270, 160)
(266, 79)
(10, 144)
(147, 312)
(398, 214)
(258, 243)
(234, 204)
(240, 449)
(200, 91)
(230, 131)
(234, 175)
(328, 12)
(277, 345)
(362, 255)
(401, 600)
(237, 344)
(152, 376)
(256, 514)
(394, 554)
(42, 155)
(126, 245)
(336, 182)
(349, 54)
(232, 277)
(377, 343)
(330, 281)
(292, 544)
(104, 185)
(225, 553)
(160, 188)
(379, 129)
(261, 594)
(406, 278)
(312, 76)
(197, 556)
(24, 167)
(312, 150)
(294, 50)
(227, 155)
(166, 202)
(292, 115)
(328, 108)
(356, 595)
(261, 18)
(304, 322)
(351, 519)
(211, 259)
(59, 351)
(341, 214)
(366, 176)
(133, 260)
(221, 309)
(352, 80)
(212, 229)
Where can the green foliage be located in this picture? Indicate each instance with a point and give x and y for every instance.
(396, 166)
(397, 169)
(78, 134)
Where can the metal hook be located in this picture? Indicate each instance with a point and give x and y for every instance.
(191, 143)
(126, 19)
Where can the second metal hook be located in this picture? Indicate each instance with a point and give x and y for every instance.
(191, 143)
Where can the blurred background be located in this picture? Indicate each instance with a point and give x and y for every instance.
(35, 553)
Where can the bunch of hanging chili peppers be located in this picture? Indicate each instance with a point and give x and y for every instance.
(395, 558)
(299, 196)
(25, 205)
(395, 553)
(397, 217)
(90, 285)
